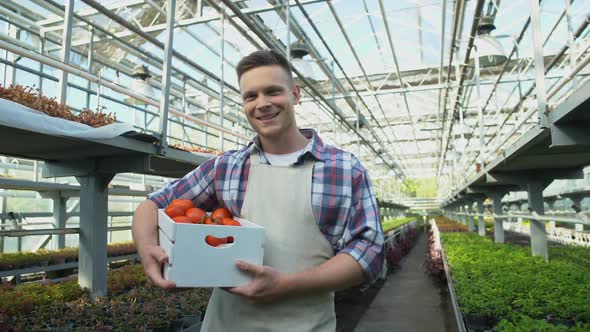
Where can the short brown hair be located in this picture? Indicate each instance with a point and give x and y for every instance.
(263, 58)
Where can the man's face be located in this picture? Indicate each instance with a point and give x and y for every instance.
(269, 97)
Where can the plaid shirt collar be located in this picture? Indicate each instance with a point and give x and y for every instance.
(314, 148)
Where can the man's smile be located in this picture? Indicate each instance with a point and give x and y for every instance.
(268, 116)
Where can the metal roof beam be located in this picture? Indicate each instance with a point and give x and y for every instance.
(300, 33)
(252, 25)
(399, 77)
(476, 17)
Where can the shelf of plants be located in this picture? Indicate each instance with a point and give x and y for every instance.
(399, 240)
(503, 287)
(132, 305)
(389, 224)
(20, 142)
(20, 263)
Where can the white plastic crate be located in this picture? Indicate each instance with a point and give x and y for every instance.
(194, 263)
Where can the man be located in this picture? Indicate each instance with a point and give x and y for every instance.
(316, 203)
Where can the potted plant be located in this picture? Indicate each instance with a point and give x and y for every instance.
(155, 320)
(190, 312)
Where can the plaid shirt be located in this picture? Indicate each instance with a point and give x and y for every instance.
(343, 200)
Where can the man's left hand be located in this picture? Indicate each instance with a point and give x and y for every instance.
(267, 285)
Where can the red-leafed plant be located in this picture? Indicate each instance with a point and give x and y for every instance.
(33, 98)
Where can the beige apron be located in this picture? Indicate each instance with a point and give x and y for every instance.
(279, 199)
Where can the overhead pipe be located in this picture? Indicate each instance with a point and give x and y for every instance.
(452, 47)
(472, 33)
(442, 56)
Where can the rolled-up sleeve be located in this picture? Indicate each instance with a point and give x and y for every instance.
(196, 186)
(364, 232)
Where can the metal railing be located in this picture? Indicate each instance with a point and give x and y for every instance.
(583, 218)
(450, 285)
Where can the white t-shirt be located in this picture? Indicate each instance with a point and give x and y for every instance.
(283, 159)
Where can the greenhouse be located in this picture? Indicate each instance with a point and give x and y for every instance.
(294, 165)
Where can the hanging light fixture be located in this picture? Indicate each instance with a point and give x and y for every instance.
(140, 84)
(299, 50)
(490, 51)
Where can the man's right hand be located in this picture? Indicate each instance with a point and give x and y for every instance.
(153, 259)
(145, 235)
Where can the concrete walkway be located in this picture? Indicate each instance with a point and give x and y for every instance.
(410, 300)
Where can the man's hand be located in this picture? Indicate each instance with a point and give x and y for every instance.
(153, 258)
(268, 284)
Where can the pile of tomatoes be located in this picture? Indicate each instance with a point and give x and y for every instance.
(184, 211)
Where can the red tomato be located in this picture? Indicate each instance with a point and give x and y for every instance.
(174, 211)
(209, 221)
(182, 220)
(185, 204)
(221, 213)
(230, 222)
(196, 215)
(215, 241)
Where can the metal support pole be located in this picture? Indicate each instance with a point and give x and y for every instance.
(358, 145)
(538, 233)
(551, 207)
(288, 23)
(3, 199)
(222, 78)
(90, 59)
(10, 71)
(479, 103)
(521, 208)
(471, 219)
(513, 207)
(66, 45)
(539, 63)
(481, 225)
(92, 267)
(578, 202)
(466, 211)
(420, 34)
(41, 65)
(498, 222)
(570, 42)
(2, 220)
(17, 222)
(60, 216)
(167, 66)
